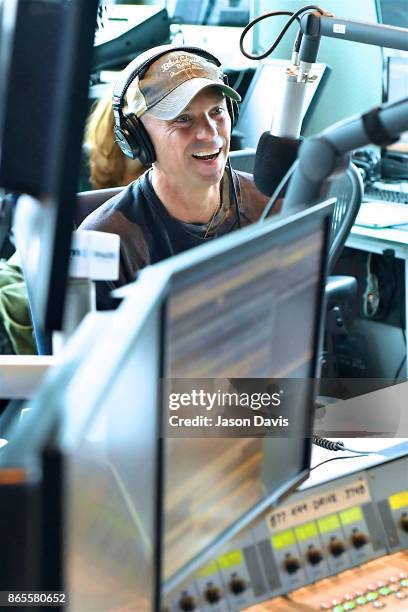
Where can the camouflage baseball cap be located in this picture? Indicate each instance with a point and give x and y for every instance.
(171, 82)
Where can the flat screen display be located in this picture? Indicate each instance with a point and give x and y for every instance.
(235, 328)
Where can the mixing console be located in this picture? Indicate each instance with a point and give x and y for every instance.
(358, 521)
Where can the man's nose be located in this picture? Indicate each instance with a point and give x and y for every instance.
(207, 128)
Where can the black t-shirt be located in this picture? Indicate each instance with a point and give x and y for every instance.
(149, 233)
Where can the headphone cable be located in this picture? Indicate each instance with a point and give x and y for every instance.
(234, 193)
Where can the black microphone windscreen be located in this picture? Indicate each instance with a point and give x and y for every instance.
(274, 157)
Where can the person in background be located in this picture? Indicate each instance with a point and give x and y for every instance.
(106, 165)
(16, 330)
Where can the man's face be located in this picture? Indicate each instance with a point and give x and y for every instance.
(192, 149)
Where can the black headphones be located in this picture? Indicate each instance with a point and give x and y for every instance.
(130, 133)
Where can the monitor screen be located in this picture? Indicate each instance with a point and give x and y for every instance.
(397, 89)
(210, 12)
(223, 320)
(258, 107)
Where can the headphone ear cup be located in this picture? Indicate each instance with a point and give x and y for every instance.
(134, 141)
(122, 139)
(147, 152)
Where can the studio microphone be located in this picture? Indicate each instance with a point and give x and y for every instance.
(277, 149)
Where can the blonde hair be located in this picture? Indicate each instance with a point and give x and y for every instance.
(108, 165)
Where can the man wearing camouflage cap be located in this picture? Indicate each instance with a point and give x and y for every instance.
(174, 112)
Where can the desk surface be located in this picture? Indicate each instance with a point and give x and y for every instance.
(388, 234)
(396, 233)
(377, 240)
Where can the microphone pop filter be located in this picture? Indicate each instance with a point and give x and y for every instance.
(274, 156)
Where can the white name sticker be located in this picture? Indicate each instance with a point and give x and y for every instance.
(312, 508)
(339, 28)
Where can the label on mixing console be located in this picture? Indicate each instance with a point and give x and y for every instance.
(399, 500)
(208, 570)
(316, 506)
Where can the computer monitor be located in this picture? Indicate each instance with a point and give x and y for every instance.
(393, 12)
(210, 12)
(145, 505)
(223, 321)
(116, 53)
(258, 107)
(47, 50)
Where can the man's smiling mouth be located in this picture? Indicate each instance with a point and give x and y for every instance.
(207, 155)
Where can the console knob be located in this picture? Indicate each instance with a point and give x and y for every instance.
(404, 522)
(212, 594)
(237, 585)
(291, 563)
(336, 547)
(187, 603)
(314, 555)
(358, 539)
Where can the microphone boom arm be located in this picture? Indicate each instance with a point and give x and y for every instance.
(327, 153)
(314, 25)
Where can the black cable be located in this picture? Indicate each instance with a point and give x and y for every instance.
(234, 193)
(277, 40)
(298, 42)
(277, 191)
(337, 446)
(328, 444)
(333, 459)
(252, 23)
